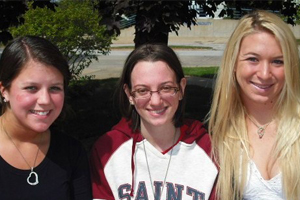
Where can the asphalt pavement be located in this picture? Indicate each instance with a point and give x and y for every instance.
(110, 66)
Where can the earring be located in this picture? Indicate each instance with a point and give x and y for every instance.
(131, 102)
(4, 100)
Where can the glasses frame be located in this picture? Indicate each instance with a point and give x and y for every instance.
(132, 93)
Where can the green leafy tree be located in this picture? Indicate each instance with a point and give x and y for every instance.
(73, 27)
(11, 15)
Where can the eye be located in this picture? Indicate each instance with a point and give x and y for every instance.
(30, 88)
(142, 91)
(278, 62)
(56, 89)
(166, 89)
(252, 59)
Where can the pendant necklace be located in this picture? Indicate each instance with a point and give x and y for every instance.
(261, 129)
(167, 170)
(32, 174)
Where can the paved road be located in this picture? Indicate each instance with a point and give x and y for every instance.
(111, 65)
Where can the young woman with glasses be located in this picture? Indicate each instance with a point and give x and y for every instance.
(153, 153)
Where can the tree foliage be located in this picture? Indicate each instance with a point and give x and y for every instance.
(155, 19)
(73, 27)
(11, 15)
(287, 8)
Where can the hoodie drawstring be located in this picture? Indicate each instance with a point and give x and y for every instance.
(132, 163)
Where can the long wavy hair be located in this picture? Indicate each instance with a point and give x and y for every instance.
(227, 124)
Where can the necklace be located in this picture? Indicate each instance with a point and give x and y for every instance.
(261, 129)
(167, 170)
(32, 174)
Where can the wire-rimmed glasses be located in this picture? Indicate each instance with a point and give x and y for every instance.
(164, 92)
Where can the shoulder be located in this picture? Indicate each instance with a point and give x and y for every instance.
(193, 124)
(62, 138)
(65, 143)
(114, 138)
(195, 131)
(66, 150)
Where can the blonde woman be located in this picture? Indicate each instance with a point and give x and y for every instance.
(255, 113)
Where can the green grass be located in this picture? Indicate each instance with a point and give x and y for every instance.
(200, 71)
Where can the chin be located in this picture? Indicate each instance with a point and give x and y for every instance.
(160, 122)
(263, 101)
(41, 128)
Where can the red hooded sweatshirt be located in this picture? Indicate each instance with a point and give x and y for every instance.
(124, 165)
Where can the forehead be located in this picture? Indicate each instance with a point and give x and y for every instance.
(261, 41)
(37, 70)
(151, 73)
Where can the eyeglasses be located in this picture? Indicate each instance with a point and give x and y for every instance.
(144, 93)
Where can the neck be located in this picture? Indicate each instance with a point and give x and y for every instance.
(261, 114)
(18, 133)
(161, 138)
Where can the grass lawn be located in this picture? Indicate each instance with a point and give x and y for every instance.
(91, 109)
(200, 71)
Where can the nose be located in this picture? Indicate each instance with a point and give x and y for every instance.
(155, 98)
(264, 71)
(44, 97)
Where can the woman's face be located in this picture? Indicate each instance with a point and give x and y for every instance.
(36, 97)
(158, 109)
(260, 69)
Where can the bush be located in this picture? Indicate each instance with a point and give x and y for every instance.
(73, 27)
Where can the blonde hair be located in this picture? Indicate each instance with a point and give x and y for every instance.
(227, 124)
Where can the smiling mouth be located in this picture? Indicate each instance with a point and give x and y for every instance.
(262, 86)
(158, 111)
(41, 113)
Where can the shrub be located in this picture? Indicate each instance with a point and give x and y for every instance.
(73, 27)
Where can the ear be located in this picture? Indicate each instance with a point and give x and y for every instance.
(182, 87)
(127, 92)
(4, 92)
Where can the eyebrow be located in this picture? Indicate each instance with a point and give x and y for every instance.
(258, 55)
(250, 54)
(36, 83)
(143, 85)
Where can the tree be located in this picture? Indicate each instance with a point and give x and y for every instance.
(287, 8)
(73, 27)
(11, 15)
(298, 16)
(155, 19)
